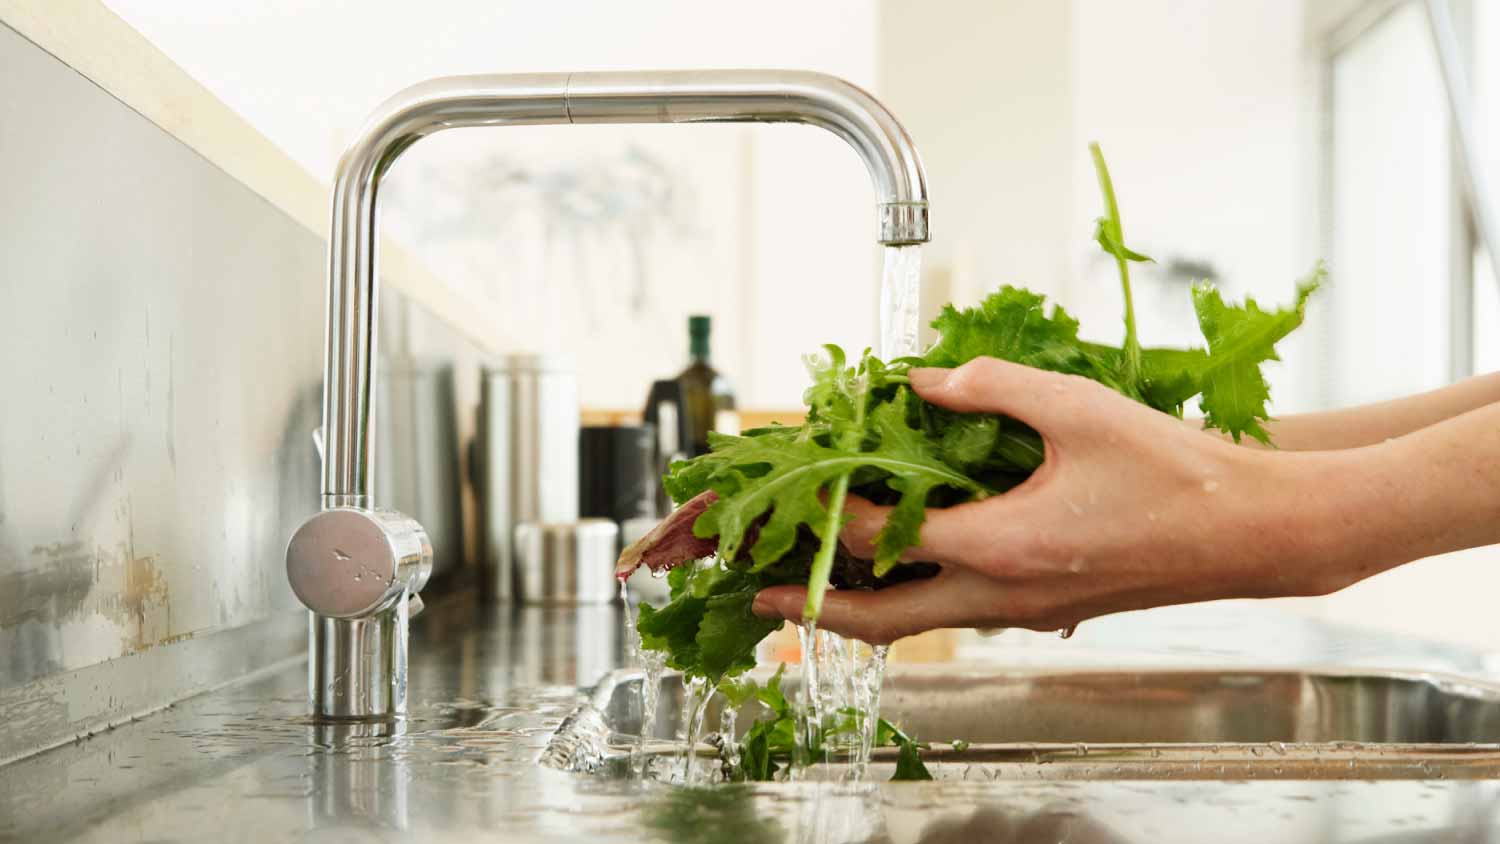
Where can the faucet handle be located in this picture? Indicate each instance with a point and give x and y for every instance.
(349, 562)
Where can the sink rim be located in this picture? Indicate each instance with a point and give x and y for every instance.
(1223, 760)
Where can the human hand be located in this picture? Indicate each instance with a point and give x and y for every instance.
(1130, 509)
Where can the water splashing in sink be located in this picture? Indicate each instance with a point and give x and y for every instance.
(651, 663)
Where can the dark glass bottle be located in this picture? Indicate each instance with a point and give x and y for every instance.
(707, 396)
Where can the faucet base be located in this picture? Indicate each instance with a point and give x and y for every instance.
(357, 666)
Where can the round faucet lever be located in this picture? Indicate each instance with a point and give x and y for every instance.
(349, 562)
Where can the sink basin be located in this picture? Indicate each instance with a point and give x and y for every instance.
(1122, 724)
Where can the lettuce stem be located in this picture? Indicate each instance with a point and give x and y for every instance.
(822, 564)
(1112, 212)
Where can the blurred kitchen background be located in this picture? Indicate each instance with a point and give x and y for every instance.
(1247, 140)
(163, 456)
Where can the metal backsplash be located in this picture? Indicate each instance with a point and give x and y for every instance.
(160, 361)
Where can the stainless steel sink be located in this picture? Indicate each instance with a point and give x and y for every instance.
(1138, 724)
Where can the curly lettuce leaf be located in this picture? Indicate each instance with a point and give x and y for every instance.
(1010, 324)
(1240, 339)
(707, 629)
(779, 483)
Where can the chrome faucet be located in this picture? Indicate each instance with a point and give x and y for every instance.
(359, 569)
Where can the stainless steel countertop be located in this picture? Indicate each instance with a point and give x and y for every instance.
(489, 686)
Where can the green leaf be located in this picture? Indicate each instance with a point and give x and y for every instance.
(707, 629)
(782, 480)
(768, 739)
(913, 479)
(969, 440)
(909, 765)
(773, 697)
(756, 763)
(737, 693)
(1011, 324)
(888, 735)
(1107, 235)
(1239, 340)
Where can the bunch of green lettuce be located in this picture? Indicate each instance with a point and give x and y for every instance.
(866, 433)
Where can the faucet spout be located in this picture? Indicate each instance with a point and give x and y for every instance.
(693, 96)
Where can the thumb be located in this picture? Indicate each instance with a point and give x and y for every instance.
(1037, 397)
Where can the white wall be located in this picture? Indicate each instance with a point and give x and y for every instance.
(770, 228)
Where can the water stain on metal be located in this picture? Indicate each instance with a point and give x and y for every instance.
(50, 593)
(147, 600)
(60, 589)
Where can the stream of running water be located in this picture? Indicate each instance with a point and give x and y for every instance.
(842, 678)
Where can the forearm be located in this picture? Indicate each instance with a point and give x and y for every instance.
(1444, 482)
(1371, 424)
(1436, 490)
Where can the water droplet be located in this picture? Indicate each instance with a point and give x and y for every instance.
(1067, 632)
(1077, 565)
(1076, 508)
(1279, 747)
(339, 554)
(1210, 486)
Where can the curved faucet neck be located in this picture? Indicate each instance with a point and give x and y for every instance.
(517, 100)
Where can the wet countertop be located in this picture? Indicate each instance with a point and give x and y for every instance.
(489, 686)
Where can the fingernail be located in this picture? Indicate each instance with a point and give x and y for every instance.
(764, 607)
(927, 377)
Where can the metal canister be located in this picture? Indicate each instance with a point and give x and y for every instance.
(527, 455)
(617, 472)
(566, 563)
